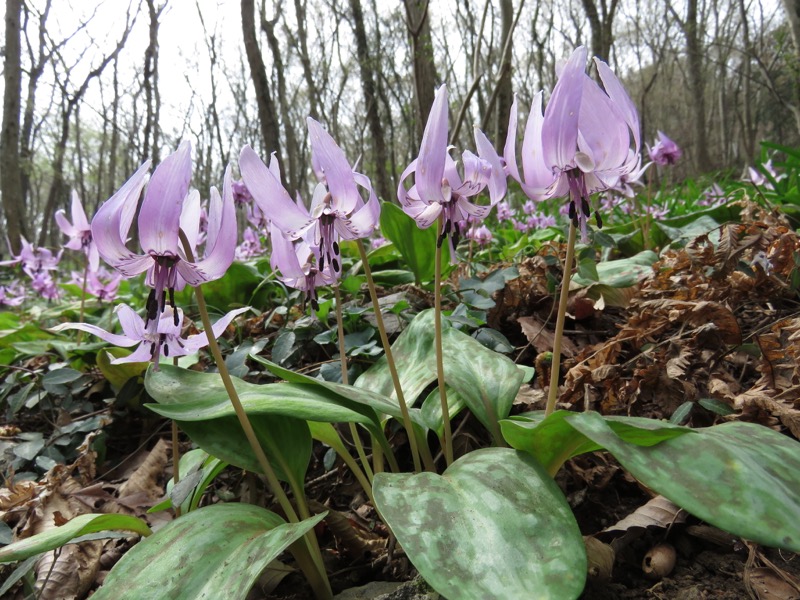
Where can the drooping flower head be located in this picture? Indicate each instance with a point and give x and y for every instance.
(480, 235)
(160, 219)
(165, 338)
(79, 231)
(664, 151)
(582, 142)
(102, 284)
(250, 246)
(12, 294)
(300, 265)
(439, 188)
(337, 209)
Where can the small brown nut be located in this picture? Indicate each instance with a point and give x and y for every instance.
(659, 561)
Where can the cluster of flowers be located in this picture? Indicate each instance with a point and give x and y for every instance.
(586, 140)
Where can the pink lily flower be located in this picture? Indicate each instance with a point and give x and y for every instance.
(165, 339)
(160, 218)
(337, 209)
(664, 151)
(438, 187)
(79, 231)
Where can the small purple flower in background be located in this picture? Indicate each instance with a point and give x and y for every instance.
(33, 260)
(160, 218)
(504, 211)
(241, 195)
(480, 235)
(664, 151)
(102, 284)
(42, 283)
(12, 294)
(299, 265)
(250, 246)
(712, 196)
(79, 231)
(164, 338)
(758, 178)
(529, 207)
(337, 209)
(439, 188)
(377, 242)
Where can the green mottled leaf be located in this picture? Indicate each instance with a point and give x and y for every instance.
(214, 552)
(494, 525)
(741, 477)
(77, 527)
(554, 440)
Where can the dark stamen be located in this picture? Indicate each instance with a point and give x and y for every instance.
(598, 219)
(335, 265)
(335, 247)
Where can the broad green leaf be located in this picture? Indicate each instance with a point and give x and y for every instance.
(75, 528)
(486, 380)
(554, 440)
(740, 477)
(620, 273)
(214, 552)
(431, 409)
(418, 246)
(494, 525)
(118, 375)
(414, 358)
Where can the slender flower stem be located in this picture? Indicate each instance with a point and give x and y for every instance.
(447, 436)
(317, 577)
(345, 380)
(176, 457)
(552, 393)
(387, 348)
(83, 300)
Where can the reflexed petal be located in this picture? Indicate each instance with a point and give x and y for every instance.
(113, 220)
(333, 163)
(538, 175)
(604, 134)
(79, 220)
(200, 340)
(405, 197)
(112, 338)
(510, 148)
(190, 219)
(219, 257)
(498, 185)
(271, 196)
(160, 215)
(621, 98)
(284, 257)
(132, 324)
(560, 125)
(143, 353)
(65, 226)
(433, 151)
(365, 220)
(427, 215)
(93, 256)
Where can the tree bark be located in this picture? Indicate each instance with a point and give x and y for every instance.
(694, 57)
(305, 60)
(11, 176)
(152, 96)
(258, 74)
(505, 92)
(366, 65)
(792, 8)
(601, 24)
(425, 76)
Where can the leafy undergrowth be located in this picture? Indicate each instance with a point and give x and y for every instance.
(709, 333)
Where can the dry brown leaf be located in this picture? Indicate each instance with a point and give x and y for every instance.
(542, 338)
(767, 585)
(658, 512)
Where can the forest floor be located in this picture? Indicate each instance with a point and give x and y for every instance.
(710, 333)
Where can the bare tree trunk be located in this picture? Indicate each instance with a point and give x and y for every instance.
(694, 58)
(367, 66)
(292, 148)
(152, 96)
(258, 73)
(601, 23)
(305, 60)
(505, 92)
(792, 8)
(425, 76)
(113, 148)
(11, 177)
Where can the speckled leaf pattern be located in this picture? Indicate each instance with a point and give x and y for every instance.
(214, 552)
(494, 525)
(741, 477)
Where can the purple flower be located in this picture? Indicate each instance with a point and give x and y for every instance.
(664, 151)
(377, 242)
(504, 211)
(42, 283)
(165, 338)
(300, 265)
(79, 231)
(480, 235)
(438, 187)
(250, 246)
(102, 284)
(529, 207)
(33, 260)
(160, 218)
(241, 195)
(712, 196)
(582, 143)
(758, 178)
(337, 209)
(12, 294)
